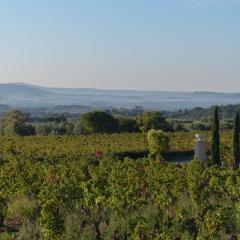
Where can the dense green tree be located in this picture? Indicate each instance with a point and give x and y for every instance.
(153, 120)
(236, 146)
(99, 122)
(127, 124)
(15, 123)
(215, 150)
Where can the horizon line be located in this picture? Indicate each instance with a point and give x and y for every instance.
(104, 89)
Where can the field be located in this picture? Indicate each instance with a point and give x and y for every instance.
(69, 148)
(63, 188)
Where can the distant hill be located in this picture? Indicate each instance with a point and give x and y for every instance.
(21, 91)
(24, 95)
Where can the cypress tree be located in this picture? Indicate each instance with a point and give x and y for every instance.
(236, 147)
(215, 151)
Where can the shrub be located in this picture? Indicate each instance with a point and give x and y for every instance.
(158, 142)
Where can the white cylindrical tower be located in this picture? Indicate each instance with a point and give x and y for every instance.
(200, 147)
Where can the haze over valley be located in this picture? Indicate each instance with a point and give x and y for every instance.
(26, 95)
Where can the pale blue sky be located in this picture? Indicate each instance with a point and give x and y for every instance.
(122, 44)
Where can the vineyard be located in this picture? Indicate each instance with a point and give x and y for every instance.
(71, 147)
(78, 188)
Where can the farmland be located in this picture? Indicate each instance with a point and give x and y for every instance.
(69, 147)
(77, 187)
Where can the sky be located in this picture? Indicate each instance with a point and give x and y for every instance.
(174, 45)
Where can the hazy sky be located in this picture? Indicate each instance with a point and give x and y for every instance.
(122, 44)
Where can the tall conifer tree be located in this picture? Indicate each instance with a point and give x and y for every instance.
(215, 151)
(236, 147)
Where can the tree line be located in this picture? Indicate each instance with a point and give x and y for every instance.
(18, 123)
(199, 113)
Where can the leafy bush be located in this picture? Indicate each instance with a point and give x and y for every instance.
(158, 142)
